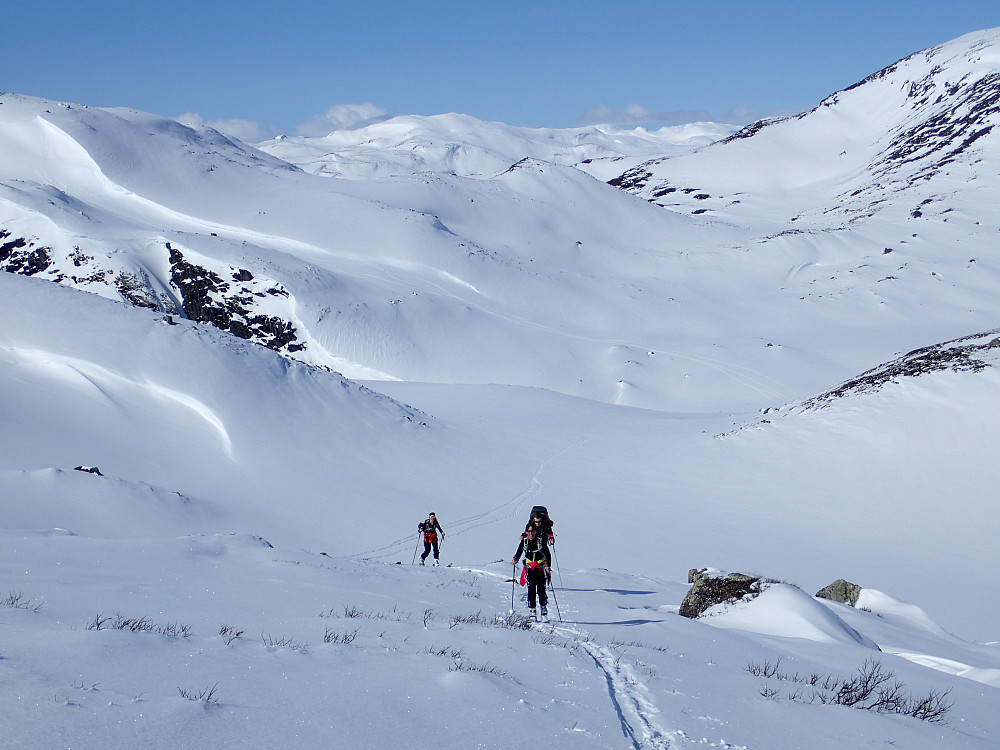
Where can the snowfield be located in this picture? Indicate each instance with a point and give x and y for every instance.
(236, 377)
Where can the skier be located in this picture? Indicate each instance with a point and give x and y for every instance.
(542, 524)
(429, 529)
(536, 569)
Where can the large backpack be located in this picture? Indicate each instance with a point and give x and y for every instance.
(546, 521)
(540, 509)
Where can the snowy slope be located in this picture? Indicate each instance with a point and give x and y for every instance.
(336, 652)
(606, 297)
(506, 326)
(125, 591)
(904, 140)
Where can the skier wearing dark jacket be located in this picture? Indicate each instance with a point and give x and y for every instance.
(542, 525)
(429, 529)
(536, 567)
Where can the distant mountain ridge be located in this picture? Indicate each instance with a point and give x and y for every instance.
(792, 255)
(466, 146)
(892, 132)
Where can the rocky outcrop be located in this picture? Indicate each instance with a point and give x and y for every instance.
(841, 591)
(711, 587)
(208, 298)
(20, 256)
(967, 354)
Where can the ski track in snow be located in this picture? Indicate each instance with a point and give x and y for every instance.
(629, 696)
(636, 712)
(498, 513)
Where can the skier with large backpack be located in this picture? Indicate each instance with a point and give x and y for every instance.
(429, 529)
(539, 520)
(536, 569)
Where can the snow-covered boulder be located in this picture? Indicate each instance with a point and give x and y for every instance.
(711, 587)
(841, 591)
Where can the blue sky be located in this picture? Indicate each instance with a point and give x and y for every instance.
(302, 66)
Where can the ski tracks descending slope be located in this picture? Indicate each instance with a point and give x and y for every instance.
(629, 696)
(491, 516)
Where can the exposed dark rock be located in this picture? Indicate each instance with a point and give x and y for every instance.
(841, 591)
(89, 470)
(715, 587)
(752, 129)
(136, 290)
(21, 257)
(632, 180)
(940, 138)
(960, 355)
(207, 298)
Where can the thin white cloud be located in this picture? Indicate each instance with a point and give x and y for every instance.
(247, 131)
(637, 114)
(343, 117)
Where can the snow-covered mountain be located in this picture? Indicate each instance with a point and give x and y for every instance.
(462, 145)
(771, 351)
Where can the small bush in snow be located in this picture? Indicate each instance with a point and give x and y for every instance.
(511, 620)
(872, 688)
(353, 612)
(637, 644)
(346, 637)
(229, 633)
(138, 625)
(206, 694)
(484, 668)
(290, 643)
(18, 601)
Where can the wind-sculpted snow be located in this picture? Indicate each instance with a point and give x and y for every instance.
(509, 321)
(508, 259)
(786, 611)
(94, 380)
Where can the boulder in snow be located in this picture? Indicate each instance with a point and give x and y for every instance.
(841, 591)
(711, 587)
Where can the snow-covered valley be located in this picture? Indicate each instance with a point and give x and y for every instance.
(281, 357)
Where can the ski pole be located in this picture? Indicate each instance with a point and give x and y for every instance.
(414, 560)
(513, 581)
(555, 599)
(556, 561)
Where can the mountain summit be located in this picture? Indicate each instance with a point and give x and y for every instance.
(900, 140)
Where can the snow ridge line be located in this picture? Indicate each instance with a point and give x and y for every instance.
(628, 695)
